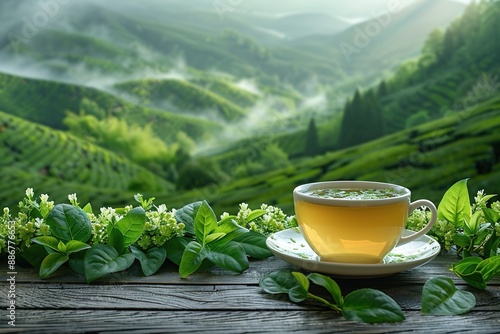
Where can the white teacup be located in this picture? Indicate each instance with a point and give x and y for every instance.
(359, 225)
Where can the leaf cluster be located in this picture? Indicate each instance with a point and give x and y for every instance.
(97, 245)
(439, 297)
(223, 243)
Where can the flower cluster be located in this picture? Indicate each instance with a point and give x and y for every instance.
(101, 221)
(160, 226)
(28, 223)
(273, 220)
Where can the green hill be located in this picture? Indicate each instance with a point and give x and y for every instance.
(427, 159)
(46, 102)
(55, 162)
(185, 96)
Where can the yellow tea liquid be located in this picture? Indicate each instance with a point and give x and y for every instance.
(352, 234)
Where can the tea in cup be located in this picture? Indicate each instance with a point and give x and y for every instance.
(356, 221)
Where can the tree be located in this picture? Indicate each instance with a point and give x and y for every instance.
(312, 142)
(363, 120)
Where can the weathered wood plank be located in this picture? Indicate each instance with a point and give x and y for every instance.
(197, 297)
(78, 321)
(169, 275)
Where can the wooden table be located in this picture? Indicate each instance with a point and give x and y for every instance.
(222, 302)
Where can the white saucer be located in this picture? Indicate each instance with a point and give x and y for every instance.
(290, 246)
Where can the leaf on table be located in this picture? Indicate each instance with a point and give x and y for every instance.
(175, 248)
(132, 225)
(151, 260)
(371, 306)
(280, 281)
(68, 222)
(330, 285)
(231, 256)
(441, 297)
(192, 258)
(116, 240)
(34, 254)
(51, 263)
(186, 215)
(489, 267)
(254, 244)
(101, 260)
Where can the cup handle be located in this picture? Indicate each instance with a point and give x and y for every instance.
(427, 228)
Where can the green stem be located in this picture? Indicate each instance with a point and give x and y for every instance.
(324, 301)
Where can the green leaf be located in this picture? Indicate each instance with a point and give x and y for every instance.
(87, 208)
(175, 248)
(255, 214)
(371, 306)
(441, 297)
(455, 204)
(475, 279)
(299, 293)
(489, 267)
(226, 220)
(466, 270)
(254, 244)
(101, 260)
(204, 223)
(68, 222)
(214, 237)
(231, 256)
(330, 285)
(76, 262)
(116, 240)
(151, 260)
(232, 231)
(187, 214)
(227, 226)
(132, 225)
(51, 263)
(47, 241)
(193, 256)
(302, 279)
(61, 247)
(461, 240)
(491, 245)
(280, 281)
(473, 222)
(74, 246)
(491, 215)
(34, 254)
(467, 265)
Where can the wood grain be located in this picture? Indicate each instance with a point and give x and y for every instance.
(220, 301)
(291, 321)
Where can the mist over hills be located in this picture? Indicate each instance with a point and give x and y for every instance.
(245, 97)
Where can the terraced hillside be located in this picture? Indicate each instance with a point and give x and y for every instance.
(46, 102)
(427, 159)
(442, 92)
(56, 163)
(185, 96)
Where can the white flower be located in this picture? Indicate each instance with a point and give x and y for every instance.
(44, 198)
(72, 199)
(30, 193)
(162, 208)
